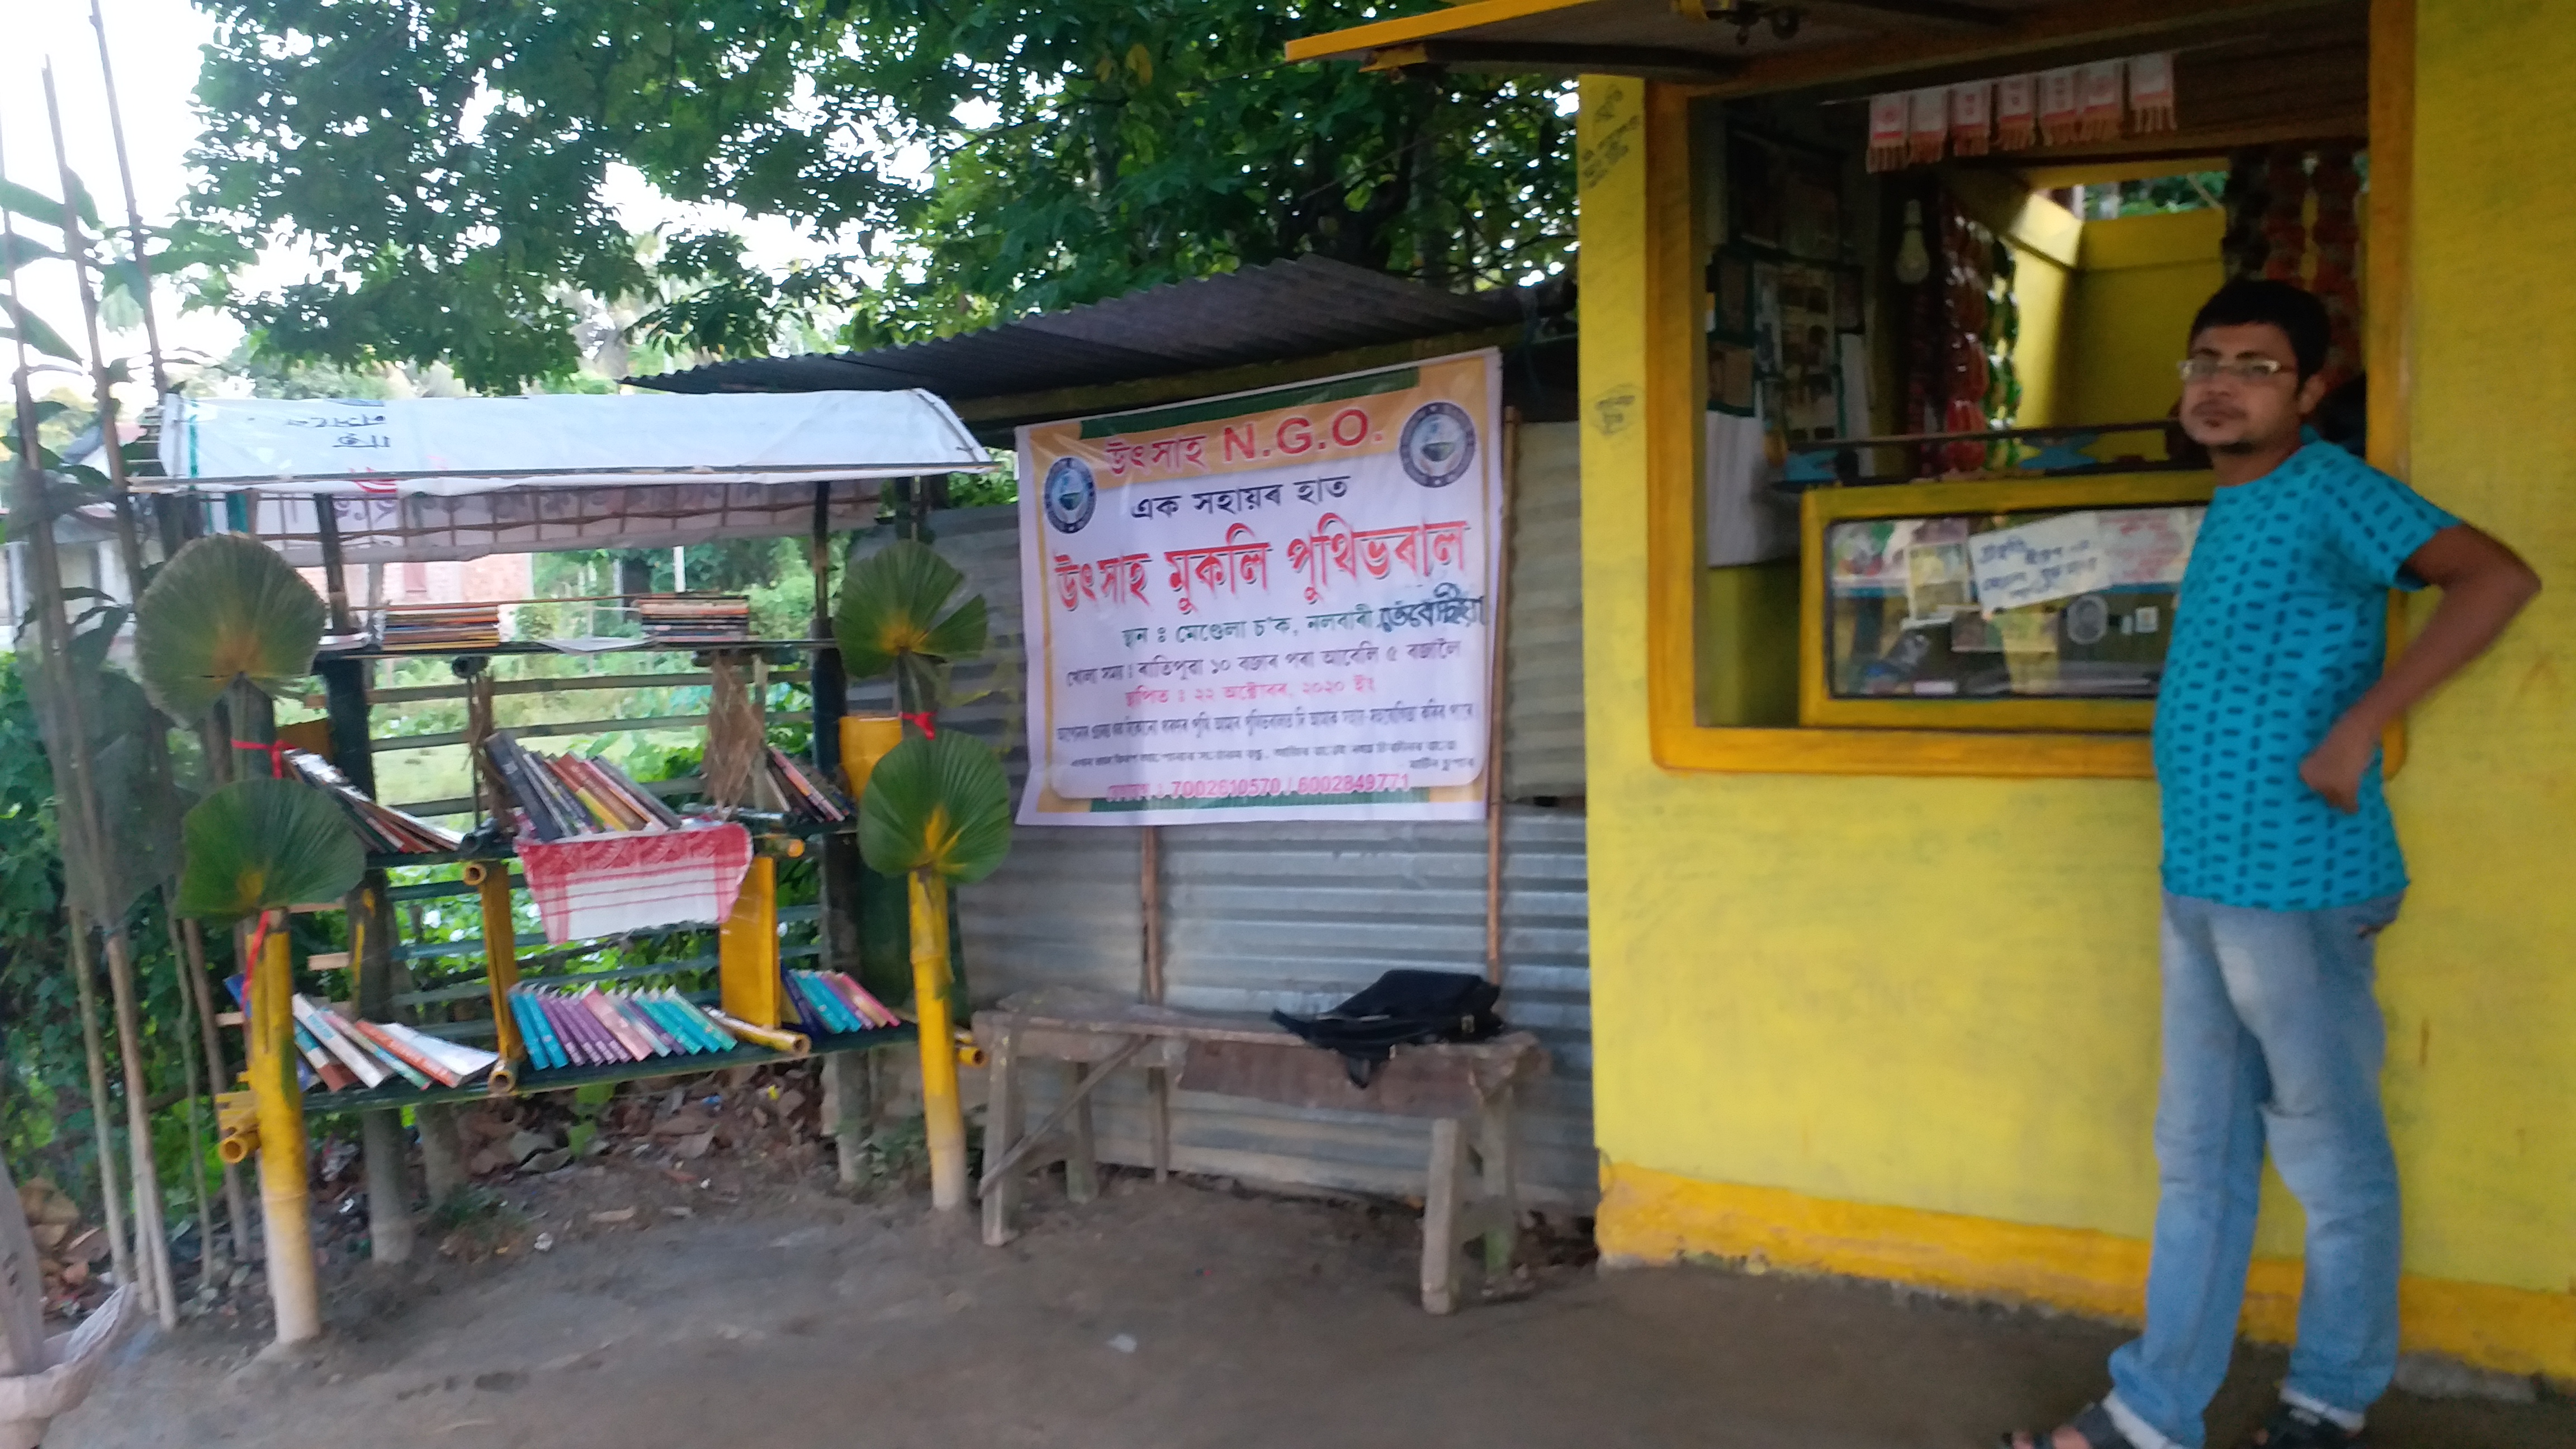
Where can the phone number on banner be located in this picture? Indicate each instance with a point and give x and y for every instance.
(1248, 789)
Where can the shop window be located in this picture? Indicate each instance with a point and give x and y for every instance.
(1942, 514)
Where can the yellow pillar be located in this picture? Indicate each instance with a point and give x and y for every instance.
(866, 739)
(292, 1288)
(500, 960)
(943, 1118)
(747, 949)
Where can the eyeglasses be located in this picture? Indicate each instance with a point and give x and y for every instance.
(2248, 369)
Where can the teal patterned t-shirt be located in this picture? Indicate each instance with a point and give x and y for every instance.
(2281, 625)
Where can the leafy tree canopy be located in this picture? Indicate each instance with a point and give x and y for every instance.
(446, 163)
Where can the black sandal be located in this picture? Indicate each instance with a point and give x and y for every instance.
(2292, 1427)
(2101, 1433)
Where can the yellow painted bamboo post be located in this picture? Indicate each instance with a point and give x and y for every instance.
(500, 964)
(866, 739)
(292, 1289)
(944, 1119)
(747, 949)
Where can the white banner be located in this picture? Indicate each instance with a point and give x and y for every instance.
(1270, 606)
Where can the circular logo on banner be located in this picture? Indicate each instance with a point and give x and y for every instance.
(1439, 442)
(1070, 494)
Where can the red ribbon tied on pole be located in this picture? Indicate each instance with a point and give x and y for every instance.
(276, 752)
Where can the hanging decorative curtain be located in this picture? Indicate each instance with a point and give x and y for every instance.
(2337, 234)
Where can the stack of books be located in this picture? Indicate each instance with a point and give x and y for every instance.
(829, 1003)
(670, 619)
(345, 1051)
(383, 829)
(803, 788)
(574, 795)
(592, 1027)
(439, 628)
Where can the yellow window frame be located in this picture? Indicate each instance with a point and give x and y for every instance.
(1668, 403)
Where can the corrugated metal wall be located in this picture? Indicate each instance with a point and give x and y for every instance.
(1299, 916)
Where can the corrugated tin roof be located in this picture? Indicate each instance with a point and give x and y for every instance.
(1282, 311)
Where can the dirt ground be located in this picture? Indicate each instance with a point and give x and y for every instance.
(1181, 1315)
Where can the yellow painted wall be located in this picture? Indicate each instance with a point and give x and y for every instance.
(1907, 1026)
(2138, 280)
(2482, 986)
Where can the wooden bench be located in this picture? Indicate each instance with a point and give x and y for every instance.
(1466, 1089)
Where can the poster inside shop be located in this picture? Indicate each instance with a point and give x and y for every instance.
(1270, 606)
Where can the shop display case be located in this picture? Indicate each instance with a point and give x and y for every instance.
(2007, 605)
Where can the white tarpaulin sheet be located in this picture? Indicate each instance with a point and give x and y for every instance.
(422, 528)
(450, 446)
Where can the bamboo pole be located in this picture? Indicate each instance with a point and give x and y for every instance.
(210, 1259)
(380, 1136)
(71, 776)
(292, 1287)
(236, 1204)
(1158, 1080)
(151, 1242)
(1497, 702)
(944, 1119)
(93, 1045)
(135, 233)
(129, 542)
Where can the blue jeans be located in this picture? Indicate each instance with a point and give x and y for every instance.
(2271, 1035)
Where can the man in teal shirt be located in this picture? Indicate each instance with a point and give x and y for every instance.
(2281, 867)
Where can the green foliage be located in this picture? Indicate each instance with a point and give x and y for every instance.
(449, 165)
(983, 490)
(2189, 192)
(261, 844)
(224, 607)
(938, 804)
(44, 1113)
(894, 618)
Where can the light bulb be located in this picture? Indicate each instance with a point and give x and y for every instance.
(1913, 261)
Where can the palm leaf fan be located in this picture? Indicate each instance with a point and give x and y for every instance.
(225, 607)
(890, 619)
(262, 844)
(939, 804)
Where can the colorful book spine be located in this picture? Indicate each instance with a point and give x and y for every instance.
(580, 1034)
(465, 1063)
(662, 1042)
(376, 1032)
(709, 1035)
(672, 1025)
(335, 1077)
(870, 1010)
(630, 1046)
(327, 1030)
(533, 1033)
(810, 1009)
(836, 1012)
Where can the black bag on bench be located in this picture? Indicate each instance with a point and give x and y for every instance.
(1400, 1008)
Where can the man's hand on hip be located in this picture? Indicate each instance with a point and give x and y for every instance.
(2334, 768)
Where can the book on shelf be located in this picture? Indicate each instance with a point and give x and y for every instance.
(347, 1051)
(694, 618)
(830, 1003)
(572, 795)
(381, 828)
(805, 790)
(601, 1027)
(435, 627)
